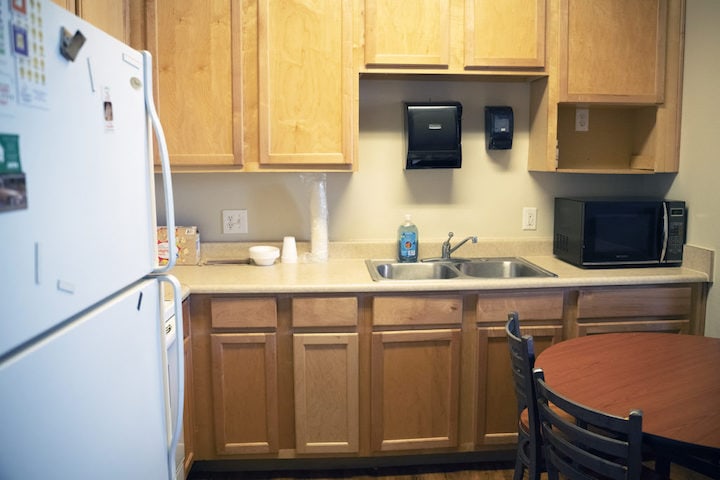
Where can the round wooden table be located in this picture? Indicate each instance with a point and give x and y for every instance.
(673, 379)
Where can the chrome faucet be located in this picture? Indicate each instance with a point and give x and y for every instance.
(447, 250)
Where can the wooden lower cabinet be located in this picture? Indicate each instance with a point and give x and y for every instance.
(415, 388)
(305, 376)
(665, 309)
(541, 315)
(326, 392)
(244, 367)
(415, 371)
(326, 378)
(189, 397)
(244, 371)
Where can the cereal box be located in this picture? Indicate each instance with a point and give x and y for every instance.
(188, 245)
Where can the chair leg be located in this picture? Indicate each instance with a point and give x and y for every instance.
(662, 466)
(533, 472)
(519, 469)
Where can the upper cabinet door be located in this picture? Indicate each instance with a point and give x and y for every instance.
(452, 36)
(195, 48)
(306, 114)
(612, 51)
(413, 34)
(111, 16)
(507, 34)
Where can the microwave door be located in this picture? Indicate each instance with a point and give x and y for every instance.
(623, 236)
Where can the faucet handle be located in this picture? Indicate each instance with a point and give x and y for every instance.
(450, 235)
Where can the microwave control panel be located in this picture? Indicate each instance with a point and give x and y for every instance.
(676, 231)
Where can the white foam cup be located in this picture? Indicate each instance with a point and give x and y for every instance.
(289, 250)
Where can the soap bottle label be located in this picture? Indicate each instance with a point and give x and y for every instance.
(408, 246)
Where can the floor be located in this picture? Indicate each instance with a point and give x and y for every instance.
(484, 471)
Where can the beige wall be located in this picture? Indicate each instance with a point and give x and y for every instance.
(486, 196)
(699, 179)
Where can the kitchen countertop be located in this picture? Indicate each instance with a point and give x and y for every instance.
(350, 275)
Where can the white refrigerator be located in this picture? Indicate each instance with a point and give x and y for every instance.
(84, 389)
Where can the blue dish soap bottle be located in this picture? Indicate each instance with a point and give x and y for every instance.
(407, 241)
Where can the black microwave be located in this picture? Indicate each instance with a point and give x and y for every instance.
(619, 232)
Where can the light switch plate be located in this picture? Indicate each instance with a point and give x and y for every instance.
(582, 119)
(529, 218)
(234, 221)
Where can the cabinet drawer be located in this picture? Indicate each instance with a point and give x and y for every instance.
(426, 310)
(634, 302)
(541, 305)
(243, 312)
(324, 312)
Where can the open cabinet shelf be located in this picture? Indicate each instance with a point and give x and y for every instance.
(634, 127)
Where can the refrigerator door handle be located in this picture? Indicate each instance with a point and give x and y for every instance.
(177, 422)
(164, 163)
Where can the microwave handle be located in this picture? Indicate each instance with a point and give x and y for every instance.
(665, 226)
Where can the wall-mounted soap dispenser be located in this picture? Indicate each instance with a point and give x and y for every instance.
(433, 133)
(499, 128)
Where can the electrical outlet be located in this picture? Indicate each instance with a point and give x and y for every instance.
(529, 218)
(234, 221)
(582, 119)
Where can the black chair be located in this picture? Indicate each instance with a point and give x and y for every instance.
(522, 360)
(593, 446)
(704, 460)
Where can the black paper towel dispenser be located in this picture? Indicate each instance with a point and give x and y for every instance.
(433, 135)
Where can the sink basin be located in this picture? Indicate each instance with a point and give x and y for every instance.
(501, 268)
(414, 271)
(466, 268)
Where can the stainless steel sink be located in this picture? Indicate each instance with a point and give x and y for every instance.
(466, 268)
(501, 268)
(414, 271)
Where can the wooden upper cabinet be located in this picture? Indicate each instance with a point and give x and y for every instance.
(196, 55)
(307, 103)
(404, 35)
(622, 62)
(110, 16)
(66, 4)
(507, 34)
(612, 51)
(453, 36)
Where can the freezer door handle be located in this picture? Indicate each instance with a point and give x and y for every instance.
(164, 163)
(177, 422)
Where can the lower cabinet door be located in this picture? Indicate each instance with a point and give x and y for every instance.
(326, 392)
(245, 399)
(497, 405)
(415, 389)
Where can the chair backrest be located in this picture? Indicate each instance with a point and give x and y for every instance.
(522, 360)
(595, 445)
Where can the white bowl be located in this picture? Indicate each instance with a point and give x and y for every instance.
(264, 255)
